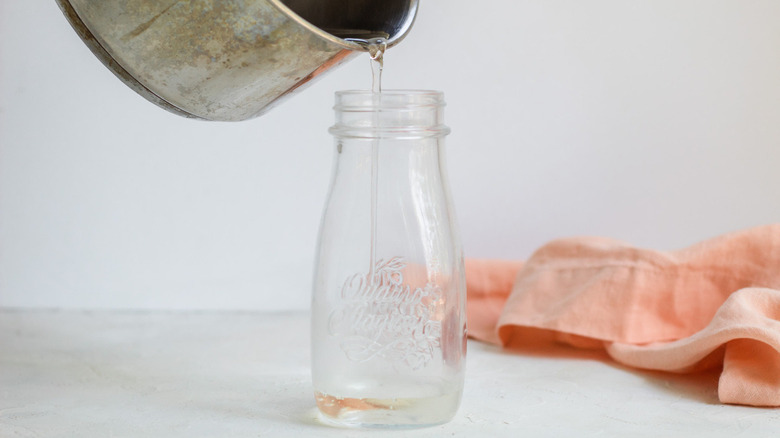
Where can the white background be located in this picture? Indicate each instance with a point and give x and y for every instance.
(652, 121)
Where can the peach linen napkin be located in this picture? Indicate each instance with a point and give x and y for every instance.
(714, 304)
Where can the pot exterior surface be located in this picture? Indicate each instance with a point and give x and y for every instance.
(225, 60)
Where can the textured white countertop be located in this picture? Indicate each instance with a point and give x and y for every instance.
(127, 374)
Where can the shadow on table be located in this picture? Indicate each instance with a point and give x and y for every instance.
(700, 386)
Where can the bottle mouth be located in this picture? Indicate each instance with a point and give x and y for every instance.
(391, 114)
(366, 100)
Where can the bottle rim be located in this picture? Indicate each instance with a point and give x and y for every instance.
(367, 100)
(391, 114)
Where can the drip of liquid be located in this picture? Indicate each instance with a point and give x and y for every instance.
(376, 48)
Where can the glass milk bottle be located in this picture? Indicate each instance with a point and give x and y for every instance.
(388, 308)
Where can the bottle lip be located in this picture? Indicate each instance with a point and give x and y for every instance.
(366, 100)
(391, 114)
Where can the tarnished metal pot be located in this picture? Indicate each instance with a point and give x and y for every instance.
(229, 59)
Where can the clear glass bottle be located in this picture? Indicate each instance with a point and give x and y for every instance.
(388, 308)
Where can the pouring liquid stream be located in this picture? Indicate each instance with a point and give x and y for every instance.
(376, 48)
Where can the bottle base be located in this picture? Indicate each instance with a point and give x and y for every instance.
(393, 413)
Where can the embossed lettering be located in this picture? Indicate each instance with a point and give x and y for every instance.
(380, 316)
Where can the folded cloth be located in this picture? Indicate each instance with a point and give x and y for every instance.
(716, 303)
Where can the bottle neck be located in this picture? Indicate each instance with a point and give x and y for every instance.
(390, 115)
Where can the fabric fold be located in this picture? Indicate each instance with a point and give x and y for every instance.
(716, 303)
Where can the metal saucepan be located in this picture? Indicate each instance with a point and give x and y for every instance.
(230, 59)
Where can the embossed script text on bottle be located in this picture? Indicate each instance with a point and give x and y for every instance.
(381, 316)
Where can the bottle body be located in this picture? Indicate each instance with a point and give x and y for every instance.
(388, 306)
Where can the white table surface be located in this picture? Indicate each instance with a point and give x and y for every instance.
(139, 374)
